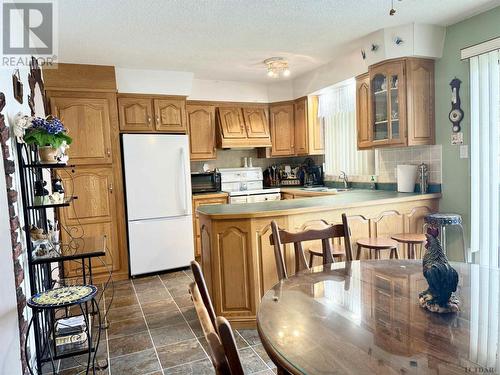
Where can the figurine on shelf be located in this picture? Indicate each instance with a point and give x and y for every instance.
(41, 194)
(37, 234)
(21, 123)
(441, 277)
(57, 195)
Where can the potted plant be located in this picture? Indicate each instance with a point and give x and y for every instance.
(49, 134)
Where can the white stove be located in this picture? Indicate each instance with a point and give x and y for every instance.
(245, 185)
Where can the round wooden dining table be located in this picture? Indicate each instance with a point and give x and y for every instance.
(363, 317)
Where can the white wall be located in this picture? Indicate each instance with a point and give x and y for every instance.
(231, 91)
(280, 91)
(10, 356)
(140, 81)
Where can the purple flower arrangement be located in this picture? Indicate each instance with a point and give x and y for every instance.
(48, 131)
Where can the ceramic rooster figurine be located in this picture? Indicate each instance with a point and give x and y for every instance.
(441, 277)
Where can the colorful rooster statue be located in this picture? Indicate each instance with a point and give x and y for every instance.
(441, 277)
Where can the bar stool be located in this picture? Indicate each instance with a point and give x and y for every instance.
(410, 239)
(447, 223)
(378, 244)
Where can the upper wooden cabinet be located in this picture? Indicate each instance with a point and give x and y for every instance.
(136, 114)
(232, 123)
(363, 111)
(87, 119)
(300, 126)
(150, 113)
(395, 104)
(201, 129)
(170, 115)
(282, 129)
(256, 122)
(315, 128)
(244, 125)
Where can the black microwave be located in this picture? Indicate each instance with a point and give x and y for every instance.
(205, 182)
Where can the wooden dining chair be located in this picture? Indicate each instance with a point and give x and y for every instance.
(202, 287)
(279, 238)
(338, 249)
(220, 338)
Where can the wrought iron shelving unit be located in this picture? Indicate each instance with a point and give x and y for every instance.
(46, 272)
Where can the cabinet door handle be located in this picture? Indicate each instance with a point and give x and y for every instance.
(149, 119)
(108, 152)
(158, 120)
(111, 188)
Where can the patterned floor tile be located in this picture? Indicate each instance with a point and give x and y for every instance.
(180, 353)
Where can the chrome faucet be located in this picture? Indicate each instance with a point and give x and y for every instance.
(343, 177)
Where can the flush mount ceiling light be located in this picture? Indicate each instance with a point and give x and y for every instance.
(276, 67)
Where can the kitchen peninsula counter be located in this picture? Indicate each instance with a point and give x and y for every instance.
(238, 260)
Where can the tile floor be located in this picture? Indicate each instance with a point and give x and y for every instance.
(153, 329)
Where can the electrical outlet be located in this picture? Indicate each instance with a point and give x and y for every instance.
(464, 152)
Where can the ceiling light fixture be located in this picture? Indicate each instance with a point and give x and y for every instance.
(392, 12)
(276, 67)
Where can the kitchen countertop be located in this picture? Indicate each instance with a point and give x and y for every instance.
(346, 199)
(214, 194)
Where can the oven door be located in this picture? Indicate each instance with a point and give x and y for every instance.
(264, 197)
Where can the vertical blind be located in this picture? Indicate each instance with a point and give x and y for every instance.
(337, 109)
(485, 156)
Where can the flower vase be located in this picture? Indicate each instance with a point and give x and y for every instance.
(47, 154)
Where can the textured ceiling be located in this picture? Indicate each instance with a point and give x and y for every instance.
(229, 39)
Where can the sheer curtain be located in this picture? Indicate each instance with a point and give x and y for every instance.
(337, 108)
(485, 160)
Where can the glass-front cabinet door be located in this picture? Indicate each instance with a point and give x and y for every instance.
(387, 114)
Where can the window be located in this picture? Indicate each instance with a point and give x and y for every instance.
(337, 110)
(485, 156)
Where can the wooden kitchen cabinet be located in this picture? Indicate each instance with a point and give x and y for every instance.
(88, 122)
(198, 200)
(170, 115)
(152, 113)
(315, 128)
(136, 114)
(84, 97)
(92, 216)
(399, 110)
(245, 125)
(300, 126)
(363, 110)
(201, 129)
(256, 122)
(232, 123)
(282, 129)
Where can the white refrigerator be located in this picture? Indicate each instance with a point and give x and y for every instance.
(158, 191)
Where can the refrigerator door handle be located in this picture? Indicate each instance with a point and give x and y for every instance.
(184, 178)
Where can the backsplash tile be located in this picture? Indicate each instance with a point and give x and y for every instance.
(234, 158)
(388, 159)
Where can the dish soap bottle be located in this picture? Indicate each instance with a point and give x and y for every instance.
(373, 183)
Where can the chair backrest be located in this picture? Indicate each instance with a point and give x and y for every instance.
(280, 237)
(202, 287)
(221, 346)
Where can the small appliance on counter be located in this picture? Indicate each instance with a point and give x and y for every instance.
(245, 185)
(205, 182)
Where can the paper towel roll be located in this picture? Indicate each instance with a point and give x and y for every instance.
(406, 176)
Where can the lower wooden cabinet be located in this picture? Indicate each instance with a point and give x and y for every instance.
(92, 216)
(198, 200)
(201, 129)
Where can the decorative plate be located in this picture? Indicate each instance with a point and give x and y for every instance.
(64, 296)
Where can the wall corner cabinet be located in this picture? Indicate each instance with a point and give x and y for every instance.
(395, 104)
(152, 113)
